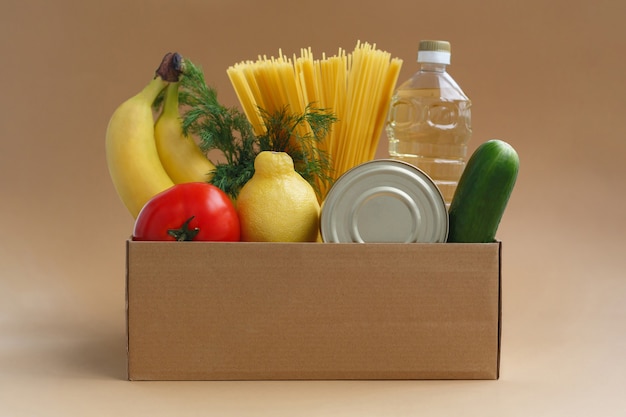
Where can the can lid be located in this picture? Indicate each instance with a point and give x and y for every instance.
(384, 200)
(435, 52)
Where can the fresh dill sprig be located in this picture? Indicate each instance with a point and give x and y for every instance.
(228, 130)
(300, 135)
(218, 127)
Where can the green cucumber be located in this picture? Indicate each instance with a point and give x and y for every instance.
(483, 193)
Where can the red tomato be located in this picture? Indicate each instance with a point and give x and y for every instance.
(190, 211)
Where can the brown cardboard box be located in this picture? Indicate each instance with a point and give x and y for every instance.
(247, 311)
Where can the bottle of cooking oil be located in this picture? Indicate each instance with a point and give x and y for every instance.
(429, 121)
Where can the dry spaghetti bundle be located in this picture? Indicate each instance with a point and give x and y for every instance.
(356, 87)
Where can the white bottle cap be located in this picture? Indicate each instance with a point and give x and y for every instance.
(434, 52)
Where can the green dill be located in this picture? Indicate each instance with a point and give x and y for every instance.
(218, 127)
(301, 136)
(228, 130)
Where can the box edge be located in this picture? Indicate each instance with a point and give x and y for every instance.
(126, 307)
(499, 354)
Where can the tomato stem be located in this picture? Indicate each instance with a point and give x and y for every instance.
(184, 233)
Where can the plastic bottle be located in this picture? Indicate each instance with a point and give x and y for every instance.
(429, 121)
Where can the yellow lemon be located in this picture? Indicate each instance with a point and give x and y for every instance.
(277, 204)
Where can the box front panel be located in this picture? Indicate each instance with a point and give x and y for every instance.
(205, 311)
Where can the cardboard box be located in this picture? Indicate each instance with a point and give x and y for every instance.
(249, 311)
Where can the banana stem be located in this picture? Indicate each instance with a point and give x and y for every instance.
(171, 67)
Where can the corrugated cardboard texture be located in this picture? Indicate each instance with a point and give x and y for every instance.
(222, 311)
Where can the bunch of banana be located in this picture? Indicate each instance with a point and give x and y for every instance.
(138, 168)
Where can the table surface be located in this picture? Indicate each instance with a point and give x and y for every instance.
(63, 353)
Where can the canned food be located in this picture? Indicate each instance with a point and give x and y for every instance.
(384, 200)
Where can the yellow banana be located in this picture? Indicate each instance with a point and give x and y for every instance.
(180, 155)
(131, 153)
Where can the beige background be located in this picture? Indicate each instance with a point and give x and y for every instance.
(548, 77)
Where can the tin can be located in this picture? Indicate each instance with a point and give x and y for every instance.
(384, 200)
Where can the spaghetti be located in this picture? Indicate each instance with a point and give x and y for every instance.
(356, 87)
